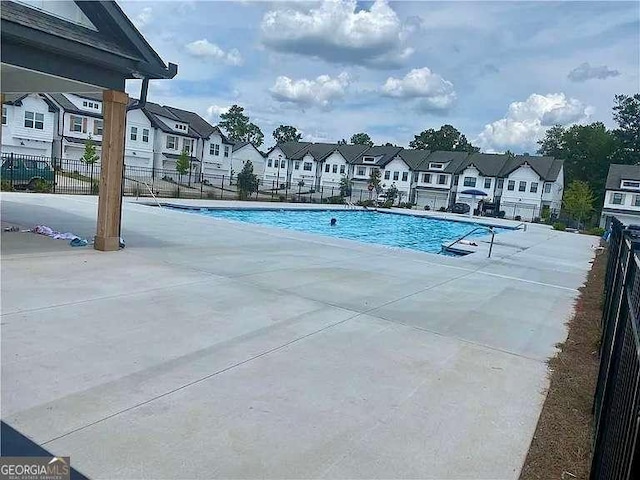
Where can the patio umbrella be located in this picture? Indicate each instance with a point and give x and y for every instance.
(474, 193)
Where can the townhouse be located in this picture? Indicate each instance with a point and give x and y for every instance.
(522, 186)
(622, 195)
(243, 152)
(29, 124)
(59, 126)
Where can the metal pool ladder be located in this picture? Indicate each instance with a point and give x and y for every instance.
(493, 233)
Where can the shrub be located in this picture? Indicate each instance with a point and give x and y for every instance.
(536, 220)
(42, 186)
(211, 195)
(336, 200)
(442, 209)
(6, 186)
(517, 218)
(595, 231)
(427, 207)
(176, 192)
(405, 205)
(559, 226)
(387, 204)
(95, 187)
(282, 198)
(501, 214)
(365, 203)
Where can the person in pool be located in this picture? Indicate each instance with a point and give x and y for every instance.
(333, 222)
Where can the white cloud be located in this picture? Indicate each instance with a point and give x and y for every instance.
(143, 18)
(320, 92)
(433, 91)
(205, 49)
(214, 111)
(584, 72)
(336, 32)
(526, 122)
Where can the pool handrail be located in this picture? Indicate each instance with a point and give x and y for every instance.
(482, 227)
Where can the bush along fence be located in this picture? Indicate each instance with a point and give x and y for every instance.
(616, 404)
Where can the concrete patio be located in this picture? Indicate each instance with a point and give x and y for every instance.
(212, 349)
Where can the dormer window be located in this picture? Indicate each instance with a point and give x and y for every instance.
(369, 159)
(436, 166)
(181, 127)
(630, 184)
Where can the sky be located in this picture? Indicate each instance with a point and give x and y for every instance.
(500, 72)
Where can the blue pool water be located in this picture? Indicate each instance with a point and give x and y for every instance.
(394, 230)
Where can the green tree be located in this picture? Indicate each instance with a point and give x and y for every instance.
(183, 164)
(446, 138)
(90, 155)
(247, 181)
(578, 200)
(392, 193)
(342, 142)
(345, 187)
(587, 151)
(286, 133)
(374, 179)
(361, 139)
(238, 127)
(626, 113)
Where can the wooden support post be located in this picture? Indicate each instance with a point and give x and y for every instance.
(114, 112)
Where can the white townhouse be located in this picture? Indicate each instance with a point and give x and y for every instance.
(277, 170)
(29, 125)
(528, 185)
(479, 172)
(242, 152)
(622, 195)
(139, 141)
(434, 177)
(307, 165)
(340, 163)
(80, 118)
(393, 170)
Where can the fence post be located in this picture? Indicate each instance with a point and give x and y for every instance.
(222, 187)
(361, 195)
(55, 173)
(201, 184)
(12, 167)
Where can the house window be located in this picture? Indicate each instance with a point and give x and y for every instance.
(34, 120)
(487, 183)
(442, 179)
(172, 142)
(269, 163)
(77, 124)
(396, 175)
(368, 159)
(628, 184)
(145, 135)
(387, 174)
(547, 188)
(617, 198)
(84, 104)
(282, 164)
(334, 169)
(296, 165)
(361, 171)
(405, 176)
(181, 127)
(214, 149)
(522, 187)
(469, 181)
(511, 185)
(327, 167)
(4, 115)
(97, 127)
(436, 166)
(426, 178)
(226, 150)
(134, 133)
(500, 183)
(534, 187)
(308, 166)
(187, 145)
(342, 169)
(636, 200)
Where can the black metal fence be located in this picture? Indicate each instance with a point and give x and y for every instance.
(616, 405)
(70, 176)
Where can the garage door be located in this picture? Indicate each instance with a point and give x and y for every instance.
(136, 161)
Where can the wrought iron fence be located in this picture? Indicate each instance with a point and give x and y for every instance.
(616, 404)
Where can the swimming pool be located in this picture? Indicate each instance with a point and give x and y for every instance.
(394, 230)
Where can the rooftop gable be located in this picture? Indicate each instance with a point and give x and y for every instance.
(618, 172)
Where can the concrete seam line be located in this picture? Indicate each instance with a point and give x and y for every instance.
(199, 380)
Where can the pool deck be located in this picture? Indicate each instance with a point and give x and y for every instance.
(214, 349)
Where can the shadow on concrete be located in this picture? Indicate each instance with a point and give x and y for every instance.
(14, 444)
